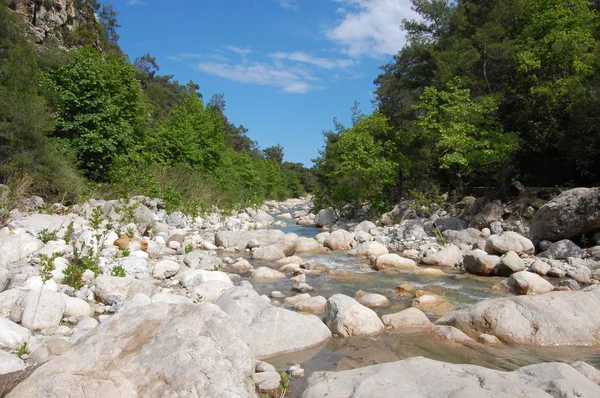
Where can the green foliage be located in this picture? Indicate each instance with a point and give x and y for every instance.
(68, 232)
(46, 236)
(96, 218)
(73, 276)
(22, 350)
(47, 266)
(118, 271)
(188, 248)
(198, 298)
(172, 199)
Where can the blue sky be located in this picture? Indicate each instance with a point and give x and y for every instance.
(286, 67)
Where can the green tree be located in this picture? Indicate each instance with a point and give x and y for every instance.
(275, 153)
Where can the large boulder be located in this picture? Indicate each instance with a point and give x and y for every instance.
(570, 214)
(470, 237)
(339, 240)
(35, 223)
(113, 289)
(525, 282)
(18, 247)
(479, 262)
(42, 310)
(268, 330)
(555, 318)
(393, 260)
(269, 253)
(325, 218)
(239, 239)
(134, 266)
(309, 245)
(563, 250)
(12, 335)
(449, 256)
(155, 350)
(509, 241)
(408, 318)
(347, 317)
(423, 377)
(371, 250)
(202, 260)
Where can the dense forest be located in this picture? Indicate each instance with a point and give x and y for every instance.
(483, 93)
(79, 119)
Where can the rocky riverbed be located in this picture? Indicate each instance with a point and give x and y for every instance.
(481, 298)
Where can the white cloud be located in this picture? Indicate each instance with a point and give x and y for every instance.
(325, 63)
(290, 80)
(184, 56)
(238, 50)
(135, 2)
(371, 27)
(289, 4)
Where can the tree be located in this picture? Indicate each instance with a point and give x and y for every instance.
(274, 153)
(463, 136)
(99, 108)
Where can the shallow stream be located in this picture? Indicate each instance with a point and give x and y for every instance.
(461, 289)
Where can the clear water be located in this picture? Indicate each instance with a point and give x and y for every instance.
(461, 289)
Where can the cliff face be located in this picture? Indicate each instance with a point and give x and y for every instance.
(60, 20)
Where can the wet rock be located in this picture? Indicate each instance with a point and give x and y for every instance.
(432, 303)
(158, 349)
(373, 300)
(422, 377)
(430, 272)
(479, 262)
(339, 240)
(449, 256)
(509, 241)
(269, 330)
(267, 274)
(395, 261)
(408, 318)
(450, 333)
(570, 214)
(347, 317)
(554, 318)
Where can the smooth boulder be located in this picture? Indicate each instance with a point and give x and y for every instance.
(347, 317)
(509, 241)
(154, 350)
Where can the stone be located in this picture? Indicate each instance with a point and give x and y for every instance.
(572, 213)
(309, 245)
(10, 363)
(268, 330)
(525, 282)
(112, 289)
(135, 267)
(239, 239)
(509, 241)
(491, 212)
(267, 274)
(364, 226)
(563, 250)
(581, 274)
(176, 220)
(469, 237)
(267, 382)
(430, 272)
(371, 249)
(478, 262)
(263, 218)
(510, 263)
(362, 237)
(432, 303)
(393, 260)
(293, 300)
(165, 269)
(540, 267)
(449, 256)
(77, 307)
(170, 299)
(571, 284)
(325, 218)
(271, 253)
(488, 339)
(423, 377)
(42, 310)
(315, 305)
(588, 371)
(554, 318)
(408, 318)
(450, 333)
(402, 211)
(202, 260)
(373, 300)
(18, 247)
(12, 335)
(339, 240)
(4, 279)
(154, 350)
(446, 224)
(347, 317)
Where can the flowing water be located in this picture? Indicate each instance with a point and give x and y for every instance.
(461, 289)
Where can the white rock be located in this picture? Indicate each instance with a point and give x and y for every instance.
(42, 310)
(10, 363)
(165, 269)
(18, 247)
(347, 317)
(12, 335)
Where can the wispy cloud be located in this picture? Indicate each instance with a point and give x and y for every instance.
(184, 56)
(135, 2)
(289, 4)
(371, 27)
(289, 80)
(238, 50)
(303, 57)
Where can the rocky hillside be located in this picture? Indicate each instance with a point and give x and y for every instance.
(60, 21)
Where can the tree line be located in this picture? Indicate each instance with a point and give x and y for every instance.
(88, 121)
(483, 93)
